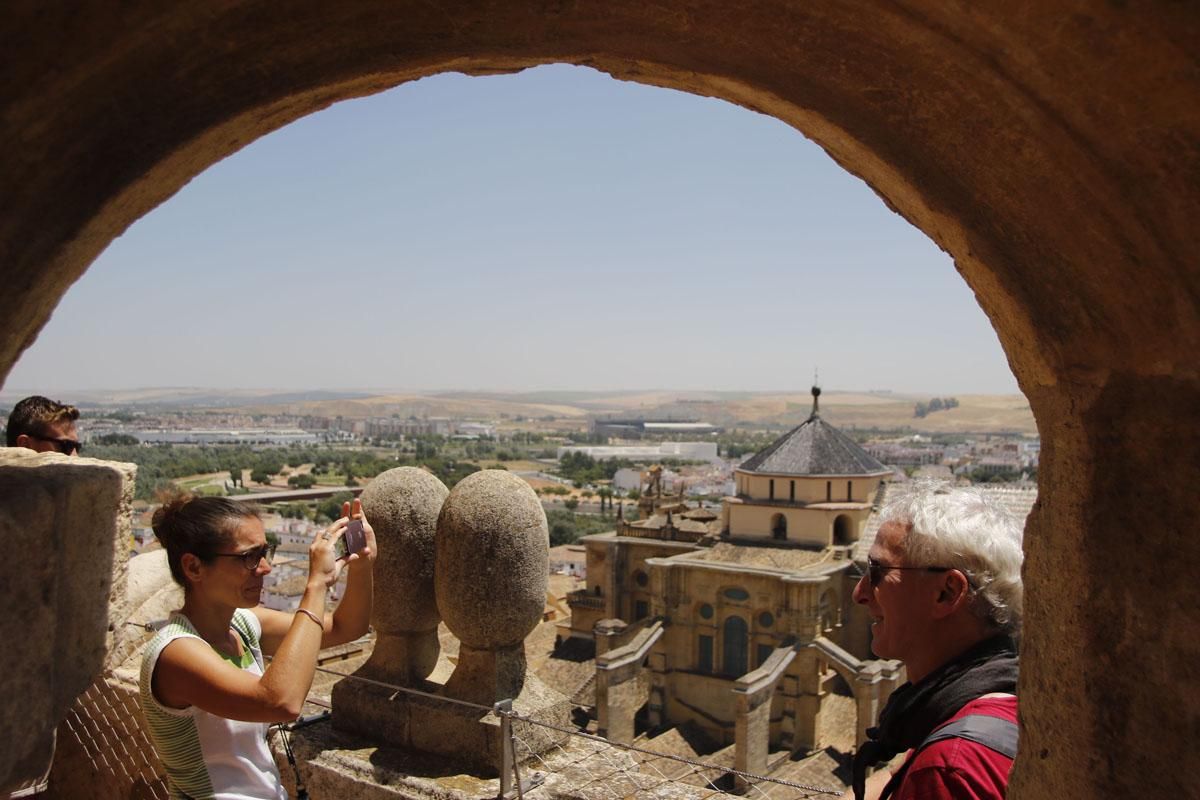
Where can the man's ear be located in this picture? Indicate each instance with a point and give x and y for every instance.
(24, 440)
(192, 566)
(953, 594)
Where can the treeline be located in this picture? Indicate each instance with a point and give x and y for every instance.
(580, 468)
(936, 404)
(159, 465)
(566, 527)
(738, 443)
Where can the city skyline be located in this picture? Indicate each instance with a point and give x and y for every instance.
(553, 230)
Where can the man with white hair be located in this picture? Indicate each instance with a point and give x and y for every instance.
(943, 588)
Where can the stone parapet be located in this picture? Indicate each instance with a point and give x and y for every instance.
(65, 525)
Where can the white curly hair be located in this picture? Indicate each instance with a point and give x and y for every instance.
(964, 529)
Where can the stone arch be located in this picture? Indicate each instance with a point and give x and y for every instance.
(778, 526)
(1014, 140)
(843, 530)
(829, 611)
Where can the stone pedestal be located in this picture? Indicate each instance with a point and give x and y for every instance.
(488, 544)
(402, 506)
(488, 676)
(468, 736)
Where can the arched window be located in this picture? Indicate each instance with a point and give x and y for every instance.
(735, 647)
(827, 610)
(843, 528)
(778, 526)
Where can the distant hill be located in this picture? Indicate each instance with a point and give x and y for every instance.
(849, 409)
(975, 413)
(186, 397)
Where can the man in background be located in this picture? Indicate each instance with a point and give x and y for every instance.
(44, 425)
(943, 588)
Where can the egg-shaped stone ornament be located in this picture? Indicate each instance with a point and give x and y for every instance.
(402, 506)
(493, 553)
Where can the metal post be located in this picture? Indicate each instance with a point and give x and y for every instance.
(506, 752)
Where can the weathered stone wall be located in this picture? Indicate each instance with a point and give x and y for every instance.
(64, 525)
(1051, 147)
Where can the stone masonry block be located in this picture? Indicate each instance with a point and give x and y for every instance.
(64, 526)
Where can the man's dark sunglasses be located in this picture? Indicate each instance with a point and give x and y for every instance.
(250, 558)
(875, 570)
(64, 446)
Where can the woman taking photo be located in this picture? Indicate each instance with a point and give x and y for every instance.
(207, 697)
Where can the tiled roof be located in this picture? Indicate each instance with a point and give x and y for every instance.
(784, 559)
(813, 448)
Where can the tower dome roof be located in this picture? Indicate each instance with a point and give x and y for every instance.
(813, 448)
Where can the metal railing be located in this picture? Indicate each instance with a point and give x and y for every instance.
(106, 723)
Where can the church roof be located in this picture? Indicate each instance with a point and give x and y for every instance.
(813, 448)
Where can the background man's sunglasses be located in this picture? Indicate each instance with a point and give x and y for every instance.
(64, 446)
(875, 570)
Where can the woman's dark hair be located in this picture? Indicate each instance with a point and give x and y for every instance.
(202, 526)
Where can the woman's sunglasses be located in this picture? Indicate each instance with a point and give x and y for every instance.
(250, 558)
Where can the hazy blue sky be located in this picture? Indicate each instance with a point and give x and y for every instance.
(552, 229)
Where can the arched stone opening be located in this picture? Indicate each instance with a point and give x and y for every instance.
(1049, 150)
(843, 530)
(778, 526)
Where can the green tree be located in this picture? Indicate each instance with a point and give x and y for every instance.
(606, 496)
(302, 481)
(260, 477)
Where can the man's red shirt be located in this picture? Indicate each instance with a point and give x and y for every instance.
(959, 769)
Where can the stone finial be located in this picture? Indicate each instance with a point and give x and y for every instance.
(492, 565)
(402, 506)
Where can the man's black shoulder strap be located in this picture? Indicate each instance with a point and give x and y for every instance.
(993, 733)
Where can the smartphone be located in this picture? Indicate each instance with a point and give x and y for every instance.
(354, 538)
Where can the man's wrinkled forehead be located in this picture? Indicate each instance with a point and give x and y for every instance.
(888, 547)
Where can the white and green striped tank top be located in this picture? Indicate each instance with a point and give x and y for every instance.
(207, 756)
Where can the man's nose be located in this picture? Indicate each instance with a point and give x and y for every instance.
(861, 590)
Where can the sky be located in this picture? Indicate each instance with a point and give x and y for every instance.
(554, 229)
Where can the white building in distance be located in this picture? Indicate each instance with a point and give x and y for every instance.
(689, 451)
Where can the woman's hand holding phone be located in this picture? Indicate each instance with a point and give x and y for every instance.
(358, 541)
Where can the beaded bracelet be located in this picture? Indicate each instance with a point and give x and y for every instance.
(311, 616)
